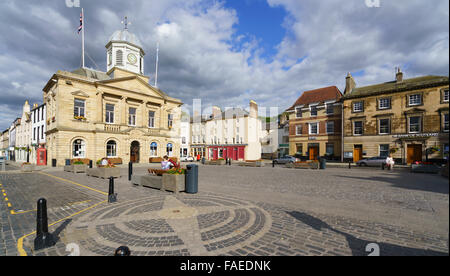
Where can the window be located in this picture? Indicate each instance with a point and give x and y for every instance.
(34, 117)
(384, 103)
(151, 119)
(330, 109)
(299, 148)
(415, 99)
(119, 57)
(313, 111)
(313, 128)
(385, 126)
(170, 121)
(298, 112)
(42, 116)
(445, 96)
(384, 150)
(358, 107)
(34, 134)
(298, 130)
(79, 149)
(169, 150)
(79, 108)
(132, 116)
(446, 122)
(414, 124)
(329, 149)
(330, 127)
(358, 128)
(110, 113)
(153, 149)
(183, 140)
(42, 132)
(111, 149)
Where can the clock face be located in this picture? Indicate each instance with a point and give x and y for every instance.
(132, 58)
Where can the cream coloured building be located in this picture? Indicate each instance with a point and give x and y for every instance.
(115, 114)
(23, 135)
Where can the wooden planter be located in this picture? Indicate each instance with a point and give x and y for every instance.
(75, 168)
(174, 183)
(104, 172)
(27, 168)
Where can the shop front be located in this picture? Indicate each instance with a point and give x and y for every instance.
(234, 152)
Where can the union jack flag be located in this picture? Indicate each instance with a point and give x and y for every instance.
(81, 23)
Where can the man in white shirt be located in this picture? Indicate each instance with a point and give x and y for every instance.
(390, 162)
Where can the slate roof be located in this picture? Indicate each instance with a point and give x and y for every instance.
(91, 73)
(393, 86)
(320, 95)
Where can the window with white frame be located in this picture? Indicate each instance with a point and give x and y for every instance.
(132, 116)
(298, 112)
(169, 150)
(445, 96)
(109, 114)
(79, 107)
(313, 128)
(414, 124)
(358, 128)
(111, 149)
(384, 103)
(384, 126)
(358, 107)
(298, 130)
(78, 149)
(384, 150)
(415, 99)
(170, 120)
(329, 149)
(330, 109)
(313, 111)
(330, 127)
(151, 119)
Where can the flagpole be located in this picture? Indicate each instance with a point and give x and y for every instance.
(157, 61)
(82, 37)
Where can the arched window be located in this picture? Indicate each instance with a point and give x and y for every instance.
(111, 149)
(79, 149)
(119, 57)
(153, 149)
(169, 150)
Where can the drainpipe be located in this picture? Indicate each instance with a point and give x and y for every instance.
(342, 133)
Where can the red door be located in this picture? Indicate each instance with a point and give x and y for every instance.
(241, 153)
(215, 154)
(225, 153)
(41, 157)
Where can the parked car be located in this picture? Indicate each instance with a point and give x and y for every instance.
(187, 159)
(285, 160)
(372, 162)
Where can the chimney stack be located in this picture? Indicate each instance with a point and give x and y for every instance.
(399, 75)
(253, 109)
(349, 84)
(216, 112)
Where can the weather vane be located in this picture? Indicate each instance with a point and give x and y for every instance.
(126, 23)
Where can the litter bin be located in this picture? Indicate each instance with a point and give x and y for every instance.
(323, 163)
(203, 160)
(67, 162)
(192, 179)
(54, 163)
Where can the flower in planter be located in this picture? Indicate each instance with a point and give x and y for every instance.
(78, 162)
(176, 171)
(80, 118)
(25, 164)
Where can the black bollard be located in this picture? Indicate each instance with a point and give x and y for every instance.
(130, 170)
(112, 197)
(90, 164)
(273, 163)
(43, 238)
(349, 165)
(122, 251)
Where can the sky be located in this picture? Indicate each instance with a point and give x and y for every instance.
(226, 52)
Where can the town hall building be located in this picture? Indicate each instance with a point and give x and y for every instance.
(115, 114)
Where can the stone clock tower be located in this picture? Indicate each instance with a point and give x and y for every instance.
(124, 51)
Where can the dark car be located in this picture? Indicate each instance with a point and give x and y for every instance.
(285, 160)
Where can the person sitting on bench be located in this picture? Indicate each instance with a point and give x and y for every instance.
(390, 162)
(165, 166)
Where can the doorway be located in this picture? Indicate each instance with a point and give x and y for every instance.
(134, 152)
(357, 153)
(414, 153)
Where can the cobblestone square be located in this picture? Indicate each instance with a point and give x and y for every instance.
(237, 212)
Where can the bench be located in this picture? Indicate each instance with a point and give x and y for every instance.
(216, 162)
(159, 159)
(115, 161)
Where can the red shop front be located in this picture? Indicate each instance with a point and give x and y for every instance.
(233, 152)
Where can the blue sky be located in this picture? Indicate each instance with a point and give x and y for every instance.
(226, 52)
(257, 19)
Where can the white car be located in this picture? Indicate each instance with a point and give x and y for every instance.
(187, 159)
